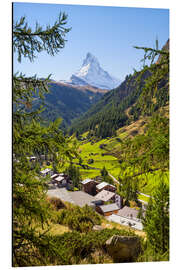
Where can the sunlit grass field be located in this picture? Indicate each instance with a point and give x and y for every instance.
(104, 158)
(100, 158)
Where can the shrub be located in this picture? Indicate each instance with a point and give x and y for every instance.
(134, 132)
(149, 255)
(102, 146)
(74, 246)
(79, 219)
(56, 203)
(90, 161)
(62, 217)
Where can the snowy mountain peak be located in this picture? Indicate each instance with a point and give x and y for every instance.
(91, 73)
(90, 59)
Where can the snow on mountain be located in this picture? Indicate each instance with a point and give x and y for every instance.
(91, 73)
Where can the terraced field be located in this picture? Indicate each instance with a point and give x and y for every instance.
(95, 157)
(105, 153)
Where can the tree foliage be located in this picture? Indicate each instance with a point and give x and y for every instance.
(155, 92)
(73, 172)
(30, 138)
(148, 152)
(75, 246)
(156, 221)
(82, 220)
(106, 177)
(27, 42)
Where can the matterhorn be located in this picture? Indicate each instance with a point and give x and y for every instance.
(92, 74)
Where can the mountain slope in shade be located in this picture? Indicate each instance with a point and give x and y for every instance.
(91, 73)
(68, 101)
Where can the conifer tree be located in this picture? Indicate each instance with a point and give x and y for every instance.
(30, 208)
(156, 220)
(74, 174)
(104, 172)
(106, 177)
(149, 152)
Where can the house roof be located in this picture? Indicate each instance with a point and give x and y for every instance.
(79, 198)
(45, 170)
(104, 195)
(103, 184)
(88, 180)
(128, 212)
(59, 178)
(126, 221)
(109, 207)
(54, 175)
(60, 193)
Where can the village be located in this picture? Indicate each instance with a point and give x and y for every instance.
(101, 196)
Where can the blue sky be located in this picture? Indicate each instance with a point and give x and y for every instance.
(109, 33)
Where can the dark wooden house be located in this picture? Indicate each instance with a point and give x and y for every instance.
(89, 186)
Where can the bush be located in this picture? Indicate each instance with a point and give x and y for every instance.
(134, 132)
(90, 161)
(148, 255)
(102, 146)
(74, 246)
(79, 219)
(56, 203)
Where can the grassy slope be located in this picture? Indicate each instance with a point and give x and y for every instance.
(93, 151)
(108, 156)
(58, 229)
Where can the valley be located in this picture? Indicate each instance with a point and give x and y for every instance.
(117, 121)
(90, 155)
(98, 153)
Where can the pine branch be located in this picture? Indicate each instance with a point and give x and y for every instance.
(152, 50)
(27, 43)
(149, 170)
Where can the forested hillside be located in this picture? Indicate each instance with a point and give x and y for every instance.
(68, 102)
(142, 93)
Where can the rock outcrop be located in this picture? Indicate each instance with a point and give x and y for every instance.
(123, 248)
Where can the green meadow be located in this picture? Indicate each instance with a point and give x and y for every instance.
(96, 157)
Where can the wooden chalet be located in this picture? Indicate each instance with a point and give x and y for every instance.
(105, 186)
(89, 186)
(107, 210)
(104, 196)
(60, 180)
